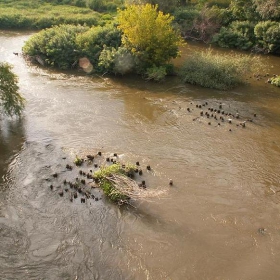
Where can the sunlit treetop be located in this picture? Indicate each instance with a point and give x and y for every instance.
(148, 33)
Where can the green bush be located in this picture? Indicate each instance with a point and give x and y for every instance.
(217, 71)
(219, 3)
(92, 42)
(56, 46)
(185, 17)
(116, 61)
(156, 73)
(240, 35)
(268, 36)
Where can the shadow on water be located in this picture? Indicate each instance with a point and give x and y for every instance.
(12, 137)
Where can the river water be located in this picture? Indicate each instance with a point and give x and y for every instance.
(219, 220)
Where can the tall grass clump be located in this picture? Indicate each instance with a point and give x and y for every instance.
(115, 181)
(217, 71)
(276, 81)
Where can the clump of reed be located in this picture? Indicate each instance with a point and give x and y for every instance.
(218, 71)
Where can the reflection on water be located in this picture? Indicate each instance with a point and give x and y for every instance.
(218, 220)
(11, 140)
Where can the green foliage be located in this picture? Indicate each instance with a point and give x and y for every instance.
(38, 15)
(268, 9)
(112, 193)
(56, 46)
(185, 17)
(116, 61)
(217, 71)
(244, 10)
(207, 23)
(11, 102)
(275, 81)
(240, 35)
(167, 6)
(255, 9)
(268, 36)
(156, 73)
(116, 168)
(78, 161)
(254, 25)
(93, 41)
(106, 171)
(148, 34)
(102, 6)
(210, 3)
(103, 175)
(218, 3)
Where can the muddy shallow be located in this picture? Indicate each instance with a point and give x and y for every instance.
(220, 219)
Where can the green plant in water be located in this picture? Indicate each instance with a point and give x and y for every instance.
(276, 81)
(78, 161)
(111, 192)
(109, 187)
(156, 73)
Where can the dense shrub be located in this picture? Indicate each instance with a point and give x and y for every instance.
(268, 9)
(268, 36)
(92, 42)
(201, 23)
(240, 35)
(185, 17)
(216, 71)
(218, 3)
(56, 46)
(116, 61)
(156, 73)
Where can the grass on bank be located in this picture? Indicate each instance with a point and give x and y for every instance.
(217, 71)
(39, 15)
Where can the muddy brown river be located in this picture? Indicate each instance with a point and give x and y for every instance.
(219, 220)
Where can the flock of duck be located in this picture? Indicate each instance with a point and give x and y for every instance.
(81, 185)
(219, 115)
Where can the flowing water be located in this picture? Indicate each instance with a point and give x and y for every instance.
(219, 220)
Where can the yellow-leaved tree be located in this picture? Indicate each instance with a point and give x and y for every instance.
(149, 34)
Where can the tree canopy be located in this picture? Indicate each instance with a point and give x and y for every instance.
(11, 102)
(149, 34)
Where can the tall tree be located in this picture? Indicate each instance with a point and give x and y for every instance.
(149, 34)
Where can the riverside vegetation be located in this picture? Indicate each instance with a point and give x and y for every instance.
(11, 102)
(243, 24)
(117, 42)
